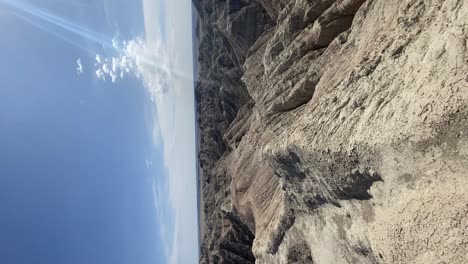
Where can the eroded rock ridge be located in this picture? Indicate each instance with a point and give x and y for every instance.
(333, 131)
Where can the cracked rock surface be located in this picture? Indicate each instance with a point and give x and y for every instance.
(333, 131)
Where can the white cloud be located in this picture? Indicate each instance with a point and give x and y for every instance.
(100, 74)
(79, 68)
(115, 64)
(98, 59)
(115, 43)
(105, 68)
(113, 76)
(151, 62)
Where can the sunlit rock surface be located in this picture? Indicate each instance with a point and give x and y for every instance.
(333, 131)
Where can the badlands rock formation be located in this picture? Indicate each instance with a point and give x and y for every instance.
(333, 131)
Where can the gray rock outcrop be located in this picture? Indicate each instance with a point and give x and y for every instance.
(333, 131)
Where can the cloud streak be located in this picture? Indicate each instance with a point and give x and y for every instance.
(176, 124)
(79, 67)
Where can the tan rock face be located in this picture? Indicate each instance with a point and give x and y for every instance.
(334, 131)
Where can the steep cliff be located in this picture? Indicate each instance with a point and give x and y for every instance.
(333, 131)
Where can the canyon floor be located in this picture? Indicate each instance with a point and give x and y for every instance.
(333, 131)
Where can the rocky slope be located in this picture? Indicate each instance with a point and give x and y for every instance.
(333, 131)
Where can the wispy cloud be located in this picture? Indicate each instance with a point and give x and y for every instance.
(149, 163)
(174, 103)
(79, 68)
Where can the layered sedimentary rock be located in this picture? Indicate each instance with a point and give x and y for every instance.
(333, 131)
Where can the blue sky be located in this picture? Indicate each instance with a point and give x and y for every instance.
(97, 163)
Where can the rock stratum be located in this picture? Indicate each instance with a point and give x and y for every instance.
(333, 131)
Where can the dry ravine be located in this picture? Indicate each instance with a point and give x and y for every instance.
(333, 131)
